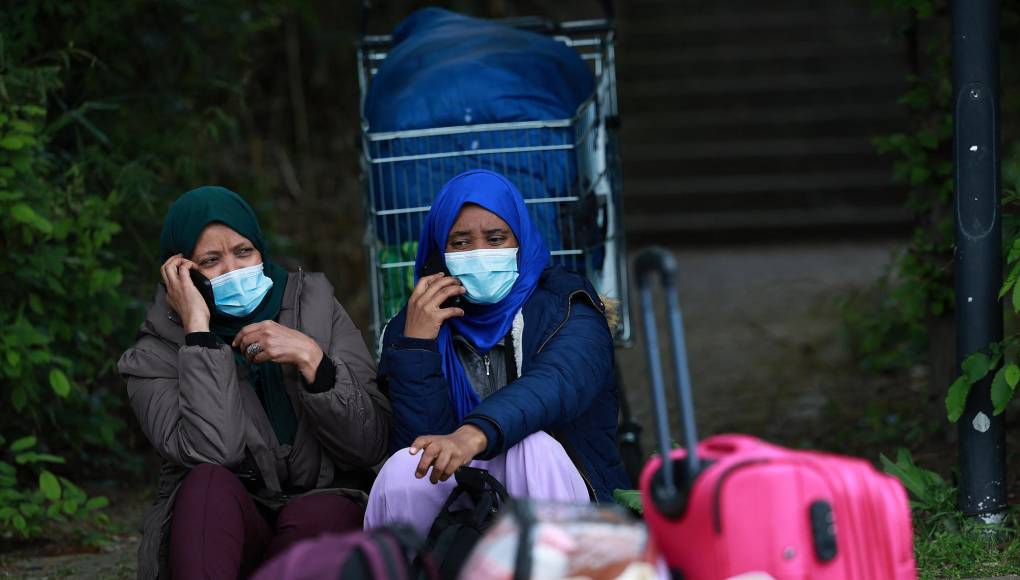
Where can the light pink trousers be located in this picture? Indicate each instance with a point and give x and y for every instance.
(536, 468)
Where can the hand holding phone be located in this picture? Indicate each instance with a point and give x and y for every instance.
(435, 264)
(181, 298)
(434, 300)
(204, 288)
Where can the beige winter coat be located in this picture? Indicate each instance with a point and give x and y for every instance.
(196, 405)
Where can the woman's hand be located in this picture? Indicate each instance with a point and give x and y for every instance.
(446, 453)
(424, 316)
(182, 295)
(279, 344)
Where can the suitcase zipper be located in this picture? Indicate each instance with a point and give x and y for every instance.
(717, 492)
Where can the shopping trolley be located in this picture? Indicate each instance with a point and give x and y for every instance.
(575, 199)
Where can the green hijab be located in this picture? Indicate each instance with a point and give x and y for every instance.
(184, 223)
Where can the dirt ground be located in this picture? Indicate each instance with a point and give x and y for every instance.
(768, 354)
(764, 336)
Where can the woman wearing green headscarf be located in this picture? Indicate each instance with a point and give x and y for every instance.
(263, 404)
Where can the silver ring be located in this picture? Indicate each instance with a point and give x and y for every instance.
(254, 349)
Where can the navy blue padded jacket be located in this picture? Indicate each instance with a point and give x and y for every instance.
(567, 386)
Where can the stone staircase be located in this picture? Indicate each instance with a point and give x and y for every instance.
(743, 117)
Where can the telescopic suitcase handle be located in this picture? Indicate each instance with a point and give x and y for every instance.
(667, 495)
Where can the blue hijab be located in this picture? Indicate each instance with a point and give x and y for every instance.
(482, 324)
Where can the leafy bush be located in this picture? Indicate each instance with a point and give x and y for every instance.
(58, 306)
(978, 365)
(920, 287)
(892, 330)
(98, 132)
(27, 507)
(90, 127)
(931, 496)
(59, 299)
(946, 543)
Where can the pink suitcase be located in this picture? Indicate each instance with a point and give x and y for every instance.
(743, 505)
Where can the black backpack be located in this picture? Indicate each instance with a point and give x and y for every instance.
(391, 552)
(456, 531)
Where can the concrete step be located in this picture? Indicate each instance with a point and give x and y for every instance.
(669, 225)
(746, 148)
(740, 115)
(672, 54)
(679, 18)
(642, 191)
(782, 116)
(776, 202)
(660, 95)
(758, 84)
(678, 65)
(792, 121)
(671, 32)
(727, 7)
(752, 157)
(755, 166)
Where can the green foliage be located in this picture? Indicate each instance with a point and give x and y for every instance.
(59, 284)
(893, 334)
(98, 132)
(979, 365)
(931, 497)
(946, 543)
(32, 497)
(630, 499)
(920, 287)
(893, 339)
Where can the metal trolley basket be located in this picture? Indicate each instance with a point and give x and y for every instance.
(577, 209)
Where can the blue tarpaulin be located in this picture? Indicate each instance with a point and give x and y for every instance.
(446, 69)
(449, 69)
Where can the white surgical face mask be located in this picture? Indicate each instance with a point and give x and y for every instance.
(240, 291)
(487, 275)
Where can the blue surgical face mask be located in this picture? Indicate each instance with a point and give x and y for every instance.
(487, 275)
(240, 291)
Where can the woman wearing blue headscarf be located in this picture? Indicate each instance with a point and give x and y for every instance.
(517, 378)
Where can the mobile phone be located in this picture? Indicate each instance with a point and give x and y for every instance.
(435, 264)
(204, 288)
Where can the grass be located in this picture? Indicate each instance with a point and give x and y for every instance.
(947, 544)
(954, 548)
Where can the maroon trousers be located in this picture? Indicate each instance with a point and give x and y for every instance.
(218, 531)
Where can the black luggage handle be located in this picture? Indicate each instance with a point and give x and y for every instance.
(474, 481)
(670, 499)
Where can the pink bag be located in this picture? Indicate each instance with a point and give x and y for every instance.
(791, 514)
(737, 505)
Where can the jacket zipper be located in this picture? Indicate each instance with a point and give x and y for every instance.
(297, 296)
(485, 358)
(564, 442)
